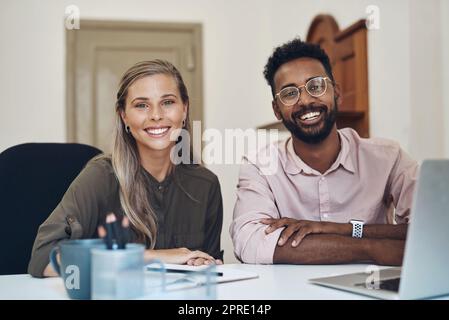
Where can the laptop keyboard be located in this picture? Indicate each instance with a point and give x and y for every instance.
(388, 284)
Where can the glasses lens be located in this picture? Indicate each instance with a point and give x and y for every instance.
(316, 86)
(289, 95)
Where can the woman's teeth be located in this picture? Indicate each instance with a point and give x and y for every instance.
(157, 131)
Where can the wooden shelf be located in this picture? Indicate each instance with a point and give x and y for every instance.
(278, 125)
(351, 114)
(353, 119)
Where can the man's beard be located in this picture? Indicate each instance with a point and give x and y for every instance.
(316, 133)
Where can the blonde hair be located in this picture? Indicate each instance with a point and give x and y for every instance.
(134, 197)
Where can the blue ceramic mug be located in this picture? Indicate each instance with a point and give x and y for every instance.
(75, 265)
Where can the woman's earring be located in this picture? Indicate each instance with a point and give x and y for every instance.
(183, 123)
(127, 129)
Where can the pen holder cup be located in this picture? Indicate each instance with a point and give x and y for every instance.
(118, 273)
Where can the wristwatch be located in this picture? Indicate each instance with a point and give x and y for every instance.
(357, 228)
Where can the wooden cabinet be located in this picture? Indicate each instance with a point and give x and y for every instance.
(347, 51)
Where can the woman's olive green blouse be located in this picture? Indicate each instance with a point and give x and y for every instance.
(188, 206)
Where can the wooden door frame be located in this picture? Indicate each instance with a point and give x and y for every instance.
(194, 28)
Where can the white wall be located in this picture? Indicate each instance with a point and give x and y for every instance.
(426, 91)
(32, 66)
(238, 38)
(445, 67)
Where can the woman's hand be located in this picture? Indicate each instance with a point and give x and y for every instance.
(179, 256)
(201, 261)
(49, 271)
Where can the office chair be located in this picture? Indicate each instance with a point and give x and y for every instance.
(33, 179)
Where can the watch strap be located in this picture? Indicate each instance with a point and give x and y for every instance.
(357, 228)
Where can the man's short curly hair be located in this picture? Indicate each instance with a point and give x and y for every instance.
(292, 50)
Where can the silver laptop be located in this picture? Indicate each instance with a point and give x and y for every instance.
(425, 270)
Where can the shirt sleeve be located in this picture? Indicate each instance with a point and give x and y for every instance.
(75, 217)
(255, 201)
(214, 221)
(403, 180)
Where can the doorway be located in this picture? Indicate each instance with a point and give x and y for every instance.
(101, 51)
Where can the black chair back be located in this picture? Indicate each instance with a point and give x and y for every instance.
(33, 179)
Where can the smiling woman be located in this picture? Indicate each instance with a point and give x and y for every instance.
(154, 110)
(164, 202)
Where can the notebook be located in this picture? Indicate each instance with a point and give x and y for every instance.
(184, 276)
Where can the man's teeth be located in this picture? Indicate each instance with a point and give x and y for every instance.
(310, 115)
(157, 131)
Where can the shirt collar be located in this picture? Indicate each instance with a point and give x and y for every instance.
(346, 152)
(295, 165)
(154, 182)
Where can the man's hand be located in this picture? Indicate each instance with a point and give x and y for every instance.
(301, 227)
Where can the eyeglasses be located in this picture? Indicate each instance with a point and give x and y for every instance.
(316, 87)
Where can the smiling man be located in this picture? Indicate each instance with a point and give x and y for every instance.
(335, 197)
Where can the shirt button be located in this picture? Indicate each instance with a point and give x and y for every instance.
(322, 179)
(160, 188)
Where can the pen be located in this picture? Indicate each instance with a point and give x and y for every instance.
(125, 231)
(118, 234)
(109, 231)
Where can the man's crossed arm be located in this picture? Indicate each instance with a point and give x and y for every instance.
(312, 242)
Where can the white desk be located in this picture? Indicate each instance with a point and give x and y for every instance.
(274, 282)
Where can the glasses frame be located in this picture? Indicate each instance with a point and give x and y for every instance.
(277, 95)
